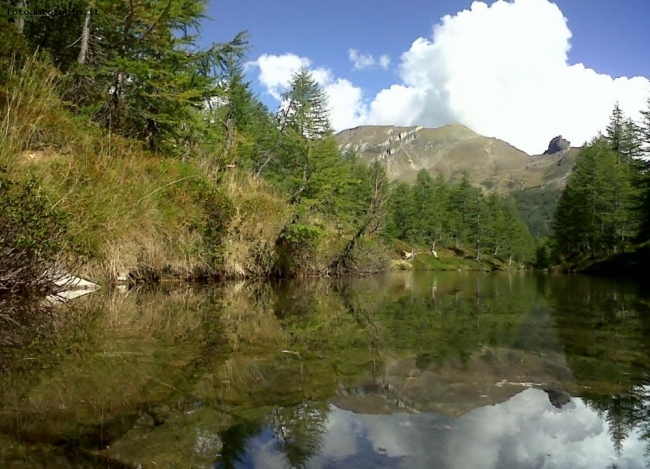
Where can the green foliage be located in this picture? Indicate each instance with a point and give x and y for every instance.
(595, 215)
(296, 246)
(218, 212)
(543, 255)
(301, 234)
(305, 107)
(536, 206)
(605, 207)
(435, 211)
(140, 73)
(643, 179)
(306, 163)
(32, 236)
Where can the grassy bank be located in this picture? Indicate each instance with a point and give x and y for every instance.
(445, 258)
(129, 211)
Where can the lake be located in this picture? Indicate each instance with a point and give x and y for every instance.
(406, 370)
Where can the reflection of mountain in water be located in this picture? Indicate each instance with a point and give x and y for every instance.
(490, 376)
(478, 341)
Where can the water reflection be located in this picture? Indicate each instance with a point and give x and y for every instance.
(526, 431)
(449, 370)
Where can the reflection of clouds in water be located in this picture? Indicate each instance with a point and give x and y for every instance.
(524, 432)
(527, 431)
(265, 454)
(341, 438)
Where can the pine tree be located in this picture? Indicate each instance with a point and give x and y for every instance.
(631, 145)
(244, 127)
(464, 207)
(615, 130)
(644, 177)
(576, 221)
(493, 225)
(371, 212)
(307, 164)
(304, 107)
(139, 72)
(644, 129)
(424, 208)
(402, 213)
(595, 214)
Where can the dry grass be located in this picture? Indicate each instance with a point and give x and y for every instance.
(260, 215)
(129, 211)
(249, 326)
(113, 351)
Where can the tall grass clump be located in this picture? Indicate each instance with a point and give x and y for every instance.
(260, 214)
(130, 213)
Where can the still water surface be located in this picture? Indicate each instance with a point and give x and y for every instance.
(430, 370)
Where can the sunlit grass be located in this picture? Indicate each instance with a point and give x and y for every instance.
(129, 211)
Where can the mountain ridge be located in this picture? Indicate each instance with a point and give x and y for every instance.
(453, 150)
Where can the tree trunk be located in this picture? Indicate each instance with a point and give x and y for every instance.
(230, 137)
(20, 21)
(372, 216)
(85, 36)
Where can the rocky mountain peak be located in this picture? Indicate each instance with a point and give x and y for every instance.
(557, 145)
(454, 150)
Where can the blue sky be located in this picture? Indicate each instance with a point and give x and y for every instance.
(610, 37)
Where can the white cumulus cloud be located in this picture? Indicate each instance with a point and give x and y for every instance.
(361, 61)
(345, 100)
(276, 71)
(384, 61)
(502, 70)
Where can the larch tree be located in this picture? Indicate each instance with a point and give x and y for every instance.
(644, 176)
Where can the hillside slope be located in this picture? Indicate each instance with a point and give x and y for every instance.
(454, 149)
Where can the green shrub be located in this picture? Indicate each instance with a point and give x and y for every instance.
(296, 248)
(218, 212)
(32, 237)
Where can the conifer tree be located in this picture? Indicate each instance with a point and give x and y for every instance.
(644, 177)
(595, 212)
(615, 130)
(644, 129)
(304, 108)
(309, 163)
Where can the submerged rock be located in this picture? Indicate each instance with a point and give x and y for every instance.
(70, 282)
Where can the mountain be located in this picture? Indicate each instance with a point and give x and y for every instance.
(455, 149)
(486, 377)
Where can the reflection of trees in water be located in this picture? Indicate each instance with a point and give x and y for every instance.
(455, 320)
(625, 413)
(235, 442)
(26, 321)
(23, 316)
(604, 328)
(299, 430)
